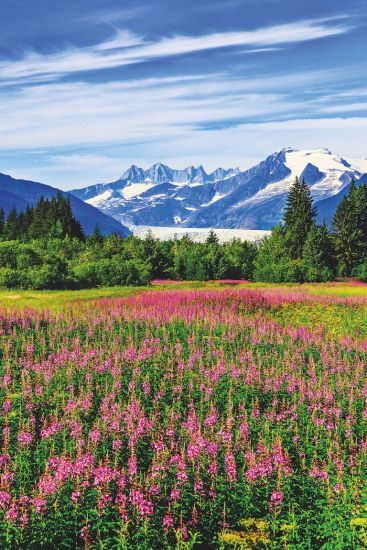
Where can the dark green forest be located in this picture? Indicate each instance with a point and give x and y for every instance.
(44, 247)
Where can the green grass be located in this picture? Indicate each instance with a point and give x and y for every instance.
(56, 300)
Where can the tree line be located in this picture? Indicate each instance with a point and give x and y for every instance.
(300, 250)
(45, 247)
(49, 218)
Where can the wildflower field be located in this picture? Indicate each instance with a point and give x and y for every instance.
(222, 416)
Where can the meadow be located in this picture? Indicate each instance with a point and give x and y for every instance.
(184, 416)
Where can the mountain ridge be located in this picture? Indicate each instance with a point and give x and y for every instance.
(20, 193)
(248, 199)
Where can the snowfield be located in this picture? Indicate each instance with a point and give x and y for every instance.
(198, 234)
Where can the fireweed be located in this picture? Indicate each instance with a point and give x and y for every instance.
(171, 416)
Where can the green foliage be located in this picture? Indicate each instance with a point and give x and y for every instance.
(45, 276)
(9, 277)
(274, 263)
(111, 272)
(239, 257)
(8, 254)
(299, 216)
(318, 254)
(49, 218)
(361, 271)
(350, 229)
(44, 247)
(300, 250)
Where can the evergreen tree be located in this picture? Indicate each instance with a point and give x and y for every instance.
(61, 210)
(153, 255)
(318, 254)
(95, 238)
(212, 238)
(360, 209)
(11, 226)
(42, 220)
(180, 255)
(2, 222)
(299, 216)
(350, 229)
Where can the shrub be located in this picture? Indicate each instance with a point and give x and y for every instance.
(9, 277)
(8, 253)
(45, 276)
(361, 271)
(111, 272)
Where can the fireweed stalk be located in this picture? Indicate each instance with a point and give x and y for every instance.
(174, 415)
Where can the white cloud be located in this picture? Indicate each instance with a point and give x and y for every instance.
(243, 146)
(127, 49)
(346, 108)
(80, 114)
(147, 120)
(77, 114)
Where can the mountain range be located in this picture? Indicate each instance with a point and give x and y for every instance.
(20, 193)
(227, 198)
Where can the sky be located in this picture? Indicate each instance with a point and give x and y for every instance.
(89, 87)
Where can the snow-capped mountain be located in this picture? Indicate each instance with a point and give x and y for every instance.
(158, 196)
(253, 199)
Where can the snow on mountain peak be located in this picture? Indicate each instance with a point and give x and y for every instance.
(134, 173)
(192, 197)
(324, 151)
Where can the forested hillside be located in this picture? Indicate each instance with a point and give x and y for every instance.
(45, 247)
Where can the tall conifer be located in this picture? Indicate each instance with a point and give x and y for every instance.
(299, 217)
(350, 229)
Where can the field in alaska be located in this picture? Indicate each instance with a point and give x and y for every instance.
(184, 416)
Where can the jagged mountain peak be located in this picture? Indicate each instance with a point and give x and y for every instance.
(160, 173)
(134, 173)
(252, 199)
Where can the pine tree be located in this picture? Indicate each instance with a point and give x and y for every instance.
(2, 222)
(360, 213)
(11, 226)
(350, 229)
(96, 238)
(42, 219)
(154, 255)
(318, 254)
(299, 217)
(62, 210)
(212, 238)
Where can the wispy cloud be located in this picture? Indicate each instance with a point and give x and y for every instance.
(115, 16)
(76, 114)
(126, 48)
(243, 146)
(218, 118)
(346, 108)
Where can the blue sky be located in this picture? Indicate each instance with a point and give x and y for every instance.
(89, 87)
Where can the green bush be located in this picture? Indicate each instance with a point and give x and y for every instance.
(319, 274)
(8, 253)
(27, 258)
(44, 277)
(134, 272)
(361, 271)
(9, 278)
(111, 272)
